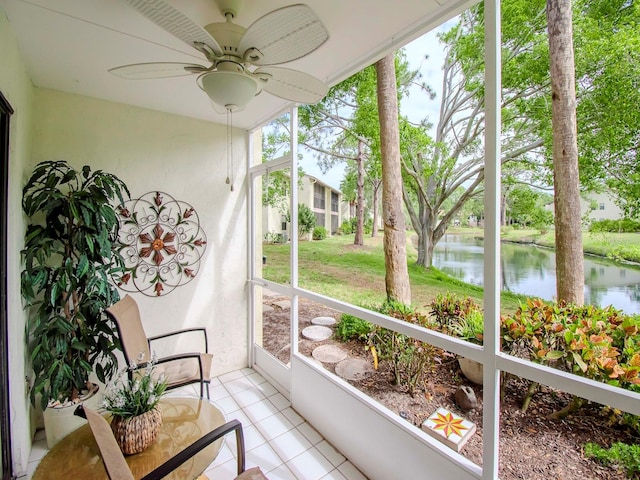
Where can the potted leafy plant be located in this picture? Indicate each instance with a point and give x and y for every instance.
(69, 261)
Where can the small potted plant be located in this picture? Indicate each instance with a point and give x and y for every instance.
(133, 401)
(66, 283)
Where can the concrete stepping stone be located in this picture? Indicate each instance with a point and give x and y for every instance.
(325, 321)
(284, 304)
(270, 293)
(329, 354)
(317, 333)
(266, 308)
(353, 369)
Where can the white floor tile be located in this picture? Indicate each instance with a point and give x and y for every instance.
(248, 397)
(274, 426)
(351, 472)
(267, 389)
(310, 465)
(263, 457)
(38, 450)
(226, 453)
(290, 444)
(252, 438)
(228, 406)
(329, 451)
(292, 416)
(260, 411)
(256, 378)
(309, 432)
(279, 401)
(334, 475)
(225, 470)
(231, 376)
(238, 385)
(218, 392)
(281, 473)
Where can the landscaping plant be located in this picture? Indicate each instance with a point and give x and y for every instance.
(69, 261)
(621, 455)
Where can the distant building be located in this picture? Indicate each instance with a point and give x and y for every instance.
(599, 206)
(326, 203)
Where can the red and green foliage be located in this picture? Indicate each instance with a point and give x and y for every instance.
(599, 343)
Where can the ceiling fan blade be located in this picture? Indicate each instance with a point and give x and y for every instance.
(142, 71)
(283, 35)
(176, 23)
(291, 84)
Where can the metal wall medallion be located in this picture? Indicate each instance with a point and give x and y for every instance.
(162, 244)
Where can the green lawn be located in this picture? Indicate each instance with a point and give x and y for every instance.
(336, 268)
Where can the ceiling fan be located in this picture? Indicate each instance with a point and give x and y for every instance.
(240, 59)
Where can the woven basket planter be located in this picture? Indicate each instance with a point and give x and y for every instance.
(134, 434)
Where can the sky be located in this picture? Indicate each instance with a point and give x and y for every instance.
(416, 106)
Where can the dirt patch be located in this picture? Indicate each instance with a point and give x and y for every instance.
(532, 447)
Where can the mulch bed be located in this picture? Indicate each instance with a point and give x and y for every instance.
(532, 447)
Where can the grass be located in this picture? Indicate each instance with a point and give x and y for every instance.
(336, 268)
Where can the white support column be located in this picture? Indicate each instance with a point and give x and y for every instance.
(294, 228)
(251, 256)
(491, 396)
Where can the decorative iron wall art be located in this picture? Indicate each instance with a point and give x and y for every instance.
(162, 243)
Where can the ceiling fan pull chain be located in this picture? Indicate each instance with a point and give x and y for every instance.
(229, 180)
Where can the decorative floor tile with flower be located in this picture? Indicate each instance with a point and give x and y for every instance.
(451, 429)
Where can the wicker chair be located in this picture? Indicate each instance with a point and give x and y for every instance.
(179, 370)
(116, 465)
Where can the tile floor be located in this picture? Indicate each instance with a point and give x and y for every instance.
(277, 439)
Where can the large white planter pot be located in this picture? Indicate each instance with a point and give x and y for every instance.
(471, 369)
(60, 421)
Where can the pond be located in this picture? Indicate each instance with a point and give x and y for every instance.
(530, 270)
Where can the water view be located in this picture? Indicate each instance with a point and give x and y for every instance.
(530, 270)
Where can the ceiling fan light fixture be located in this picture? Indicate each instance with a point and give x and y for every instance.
(231, 90)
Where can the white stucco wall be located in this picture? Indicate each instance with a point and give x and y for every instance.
(149, 151)
(185, 158)
(17, 89)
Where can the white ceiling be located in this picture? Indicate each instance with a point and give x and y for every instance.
(69, 45)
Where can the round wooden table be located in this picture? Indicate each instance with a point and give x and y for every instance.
(184, 420)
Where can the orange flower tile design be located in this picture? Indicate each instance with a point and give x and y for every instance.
(449, 424)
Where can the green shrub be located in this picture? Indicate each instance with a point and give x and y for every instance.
(620, 455)
(346, 228)
(350, 327)
(306, 220)
(598, 343)
(459, 317)
(410, 359)
(319, 233)
(624, 225)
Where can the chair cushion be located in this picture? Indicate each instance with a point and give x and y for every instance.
(186, 369)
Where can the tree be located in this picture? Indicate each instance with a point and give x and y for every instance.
(569, 255)
(396, 273)
(526, 206)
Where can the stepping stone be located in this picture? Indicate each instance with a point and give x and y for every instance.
(266, 308)
(326, 321)
(269, 293)
(329, 354)
(284, 304)
(451, 429)
(317, 333)
(353, 369)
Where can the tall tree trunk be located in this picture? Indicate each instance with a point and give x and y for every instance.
(569, 254)
(359, 236)
(395, 235)
(375, 225)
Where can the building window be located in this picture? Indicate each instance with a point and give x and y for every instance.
(602, 206)
(319, 219)
(318, 196)
(284, 223)
(334, 202)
